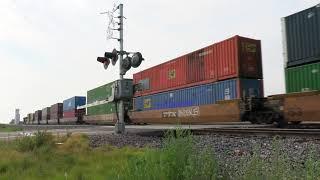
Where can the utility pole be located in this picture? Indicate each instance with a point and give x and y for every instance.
(120, 125)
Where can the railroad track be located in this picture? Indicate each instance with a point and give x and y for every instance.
(259, 131)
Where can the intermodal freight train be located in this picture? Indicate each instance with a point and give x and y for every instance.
(219, 83)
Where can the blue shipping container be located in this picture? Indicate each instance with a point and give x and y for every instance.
(73, 103)
(201, 95)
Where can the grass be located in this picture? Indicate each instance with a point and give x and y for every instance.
(40, 157)
(8, 128)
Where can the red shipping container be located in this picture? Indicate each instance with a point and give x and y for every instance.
(74, 113)
(232, 58)
(238, 57)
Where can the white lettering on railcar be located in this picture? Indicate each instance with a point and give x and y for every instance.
(184, 112)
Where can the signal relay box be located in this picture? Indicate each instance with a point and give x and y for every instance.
(123, 89)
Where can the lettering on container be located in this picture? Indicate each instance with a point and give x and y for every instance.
(314, 71)
(249, 47)
(147, 103)
(172, 74)
(184, 112)
(227, 94)
(205, 53)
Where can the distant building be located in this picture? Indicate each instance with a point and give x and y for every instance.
(17, 116)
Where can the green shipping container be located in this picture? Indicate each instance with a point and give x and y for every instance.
(99, 94)
(303, 78)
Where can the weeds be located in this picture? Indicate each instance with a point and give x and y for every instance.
(40, 157)
(179, 159)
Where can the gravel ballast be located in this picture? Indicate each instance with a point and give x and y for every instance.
(228, 149)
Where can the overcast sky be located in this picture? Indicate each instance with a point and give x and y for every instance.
(48, 49)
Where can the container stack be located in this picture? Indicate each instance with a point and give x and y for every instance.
(30, 118)
(70, 107)
(102, 113)
(37, 117)
(301, 44)
(231, 69)
(56, 113)
(46, 115)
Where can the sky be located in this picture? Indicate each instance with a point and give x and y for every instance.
(48, 49)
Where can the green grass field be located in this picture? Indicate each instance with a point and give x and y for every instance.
(70, 158)
(8, 128)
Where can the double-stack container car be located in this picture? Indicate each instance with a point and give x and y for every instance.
(204, 81)
(71, 113)
(46, 115)
(99, 112)
(37, 117)
(56, 113)
(301, 42)
(232, 58)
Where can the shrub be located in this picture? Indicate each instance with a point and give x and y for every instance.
(179, 159)
(42, 140)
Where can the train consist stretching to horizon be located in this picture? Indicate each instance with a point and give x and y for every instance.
(219, 83)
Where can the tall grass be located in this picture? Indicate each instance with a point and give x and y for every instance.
(40, 157)
(178, 159)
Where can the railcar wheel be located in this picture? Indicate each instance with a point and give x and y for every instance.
(282, 123)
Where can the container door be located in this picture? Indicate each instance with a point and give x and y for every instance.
(250, 58)
(195, 67)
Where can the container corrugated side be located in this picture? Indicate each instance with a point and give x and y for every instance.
(46, 113)
(201, 95)
(56, 111)
(107, 108)
(231, 58)
(238, 57)
(38, 116)
(100, 93)
(73, 103)
(74, 113)
(302, 37)
(303, 78)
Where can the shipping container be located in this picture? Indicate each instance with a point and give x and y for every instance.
(303, 78)
(46, 113)
(72, 103)
(56, 111)
(221, 112)
(231, 58)
(301, 37)
(30, 118)
(38, 116)
(74, 113)
(99, 94)
(201, 95)
(25, 120)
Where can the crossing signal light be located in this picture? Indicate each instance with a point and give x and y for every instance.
(105, 61)
(136, 59)
(125, 65)
(113, 56)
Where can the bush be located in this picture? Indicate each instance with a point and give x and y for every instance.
(179, 159)
(42, 140)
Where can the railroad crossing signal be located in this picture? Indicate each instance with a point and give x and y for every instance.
(125, 64)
